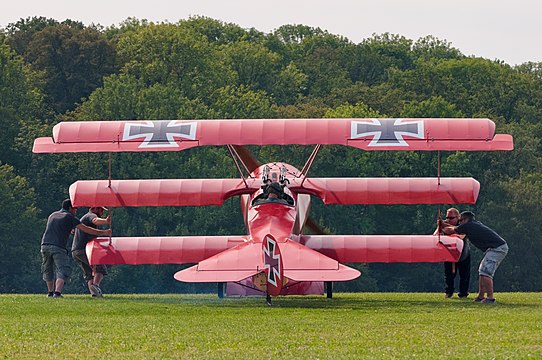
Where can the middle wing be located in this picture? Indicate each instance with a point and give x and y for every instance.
(165, 192)
(389, 191)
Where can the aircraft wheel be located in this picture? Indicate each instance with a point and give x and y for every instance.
(328, 285)
(220, 289)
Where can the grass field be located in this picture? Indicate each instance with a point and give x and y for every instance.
(365, 325)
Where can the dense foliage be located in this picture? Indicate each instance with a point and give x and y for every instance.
(202, 68)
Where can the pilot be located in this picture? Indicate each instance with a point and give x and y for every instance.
(273, 193)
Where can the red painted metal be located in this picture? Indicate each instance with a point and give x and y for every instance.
(117, 136)
(390, 190)
(233, 264)
(385, 248)
(158, 250)
(165, 192)
(309, 258)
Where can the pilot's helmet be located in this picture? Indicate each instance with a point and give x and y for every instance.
(274, 188)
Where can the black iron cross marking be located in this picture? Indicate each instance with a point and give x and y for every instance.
(387, 132)
(160, 133)
(272, 261)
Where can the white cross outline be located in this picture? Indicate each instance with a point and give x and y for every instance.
(148, 136)
(376, 134)
(273, 256)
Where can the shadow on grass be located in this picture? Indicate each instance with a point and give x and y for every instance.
(359, 301)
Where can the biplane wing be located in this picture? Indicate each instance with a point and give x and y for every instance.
(386, 248)
(158, 250)
(200, 192)
(389, 191)
(164, 192)
(367, 134)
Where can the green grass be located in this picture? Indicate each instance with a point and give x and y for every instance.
(365, 325)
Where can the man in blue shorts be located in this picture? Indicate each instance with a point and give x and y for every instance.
(54, 254)
(495, 249)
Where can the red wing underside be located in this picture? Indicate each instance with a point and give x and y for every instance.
(299, 263)
(386, 248)
(166, 192)
(390, 190)
(158, 250)
(367, 134)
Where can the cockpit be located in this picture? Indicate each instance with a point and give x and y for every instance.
(273, 188)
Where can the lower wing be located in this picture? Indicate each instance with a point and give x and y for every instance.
(158, 250)
(386, 248)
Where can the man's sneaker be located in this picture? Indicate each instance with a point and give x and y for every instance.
(462, 296)
(477, 299)
(57, 295)
(447, 296)
(489, 301)
(50, 294)
(95, 290)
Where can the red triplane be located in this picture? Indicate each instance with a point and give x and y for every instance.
(275, 257)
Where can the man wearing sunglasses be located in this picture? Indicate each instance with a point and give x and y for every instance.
(462, 266)
(492, 244)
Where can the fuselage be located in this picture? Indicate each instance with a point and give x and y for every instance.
(275, 218)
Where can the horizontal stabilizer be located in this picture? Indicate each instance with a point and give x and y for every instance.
(390, 191)
(386, 248)
(299, 263)
(165, 192)
(367, 134)
(158, 250)
(303, 264)
(234, 264)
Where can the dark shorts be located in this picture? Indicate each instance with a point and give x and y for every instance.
(80, 257)
(55, 261)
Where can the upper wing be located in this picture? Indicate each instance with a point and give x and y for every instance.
(367, 134)
(165, 192)
(386, 248)
(390, 190)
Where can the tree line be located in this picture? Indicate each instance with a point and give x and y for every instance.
(201, 68)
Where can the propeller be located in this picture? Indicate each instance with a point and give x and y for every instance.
(252, 164)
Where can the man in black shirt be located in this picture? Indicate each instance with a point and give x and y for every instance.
(92, 274)
(462, 266)
(487, 240)
(55, 260)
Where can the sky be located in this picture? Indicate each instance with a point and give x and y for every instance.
(510, 31)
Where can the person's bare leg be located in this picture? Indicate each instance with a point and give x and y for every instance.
(481, 289)
(90, 282)
(59, 285)
(488, 286)
(98, 277)
(50, 286)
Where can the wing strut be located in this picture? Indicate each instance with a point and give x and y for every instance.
(236, 158)
(110, 209)
(309, 162)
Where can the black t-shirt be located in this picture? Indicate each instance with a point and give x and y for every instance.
(59, 226)
(480, 235)
(81, 238)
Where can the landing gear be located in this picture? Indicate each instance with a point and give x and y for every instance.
(268, 300)
(220, 289)
(328, 285)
